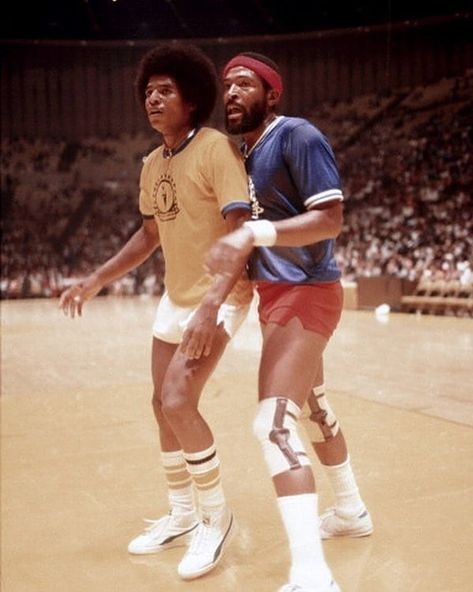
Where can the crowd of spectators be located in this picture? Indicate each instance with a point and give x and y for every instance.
(406, 166)
(408, 181)
(66, 208)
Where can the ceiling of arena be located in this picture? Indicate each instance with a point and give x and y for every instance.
(165, 19)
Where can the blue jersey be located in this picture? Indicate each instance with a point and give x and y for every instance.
(292, 169)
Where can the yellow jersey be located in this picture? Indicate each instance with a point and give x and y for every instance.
(188, 194)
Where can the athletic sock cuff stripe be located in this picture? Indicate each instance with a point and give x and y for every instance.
(201, 461)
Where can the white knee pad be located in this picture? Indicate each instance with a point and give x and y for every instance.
(319, 420)
(275, 426)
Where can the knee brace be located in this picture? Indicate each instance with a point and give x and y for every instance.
(319, 420)
(275, 426)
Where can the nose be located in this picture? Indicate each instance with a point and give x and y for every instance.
(154, 96)
(232, 90)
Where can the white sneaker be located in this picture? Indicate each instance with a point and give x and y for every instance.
(169, 531)
(333, 524)
(206, 548)
(296, 588)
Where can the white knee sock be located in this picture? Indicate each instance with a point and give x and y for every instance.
(347, 495)
(300, 517)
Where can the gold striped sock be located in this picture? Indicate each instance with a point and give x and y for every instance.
(204, 466)
(179, 482)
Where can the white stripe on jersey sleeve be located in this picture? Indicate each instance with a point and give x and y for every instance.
(324, 196)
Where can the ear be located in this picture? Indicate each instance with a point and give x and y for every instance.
(273, 97)
(191, 108)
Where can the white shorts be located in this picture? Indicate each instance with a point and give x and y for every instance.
(171, 320)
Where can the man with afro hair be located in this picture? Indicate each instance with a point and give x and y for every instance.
(193, 190)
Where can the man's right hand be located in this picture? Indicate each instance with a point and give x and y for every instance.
(73, 299)
(229, 253)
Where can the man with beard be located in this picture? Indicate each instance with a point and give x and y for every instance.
(296, 197)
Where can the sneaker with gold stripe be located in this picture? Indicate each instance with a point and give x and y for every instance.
(207, 546)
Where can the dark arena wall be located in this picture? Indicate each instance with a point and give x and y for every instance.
(75, 89)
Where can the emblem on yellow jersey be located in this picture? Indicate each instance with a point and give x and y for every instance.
(165, 199)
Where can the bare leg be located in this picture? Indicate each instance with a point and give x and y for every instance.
(179, 396)
(162, 354)
(171, 369)
(287, 373)
(178, 384)
(188, 452)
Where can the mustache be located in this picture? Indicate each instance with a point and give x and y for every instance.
(234, 103)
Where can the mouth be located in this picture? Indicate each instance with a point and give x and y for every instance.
(234, 111)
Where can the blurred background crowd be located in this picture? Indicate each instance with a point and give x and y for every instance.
(405, 160)
(394, 97)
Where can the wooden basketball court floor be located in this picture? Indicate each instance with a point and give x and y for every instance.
(80, 456)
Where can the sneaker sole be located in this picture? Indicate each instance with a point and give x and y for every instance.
(353, 534)
(180, 540)
(223, 545)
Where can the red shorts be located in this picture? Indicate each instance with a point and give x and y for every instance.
(317, 306)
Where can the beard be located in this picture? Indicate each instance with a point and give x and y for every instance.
(250, 119)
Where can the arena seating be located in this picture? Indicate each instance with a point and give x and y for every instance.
(440, 297)
(405, 162)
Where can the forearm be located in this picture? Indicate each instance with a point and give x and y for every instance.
(221, 288)
(304, 229)
(223, 283)
(300, 231)
(137, 250)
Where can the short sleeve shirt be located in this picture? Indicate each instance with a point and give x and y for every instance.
(189, 195)
(291, 170)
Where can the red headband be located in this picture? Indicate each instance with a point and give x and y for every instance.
(263, 70)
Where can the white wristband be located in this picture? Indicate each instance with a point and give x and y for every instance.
(264, 232)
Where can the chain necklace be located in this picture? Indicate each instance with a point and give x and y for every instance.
(170, 152)
(246, 153)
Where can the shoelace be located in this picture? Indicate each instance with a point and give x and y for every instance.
(199, 540)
